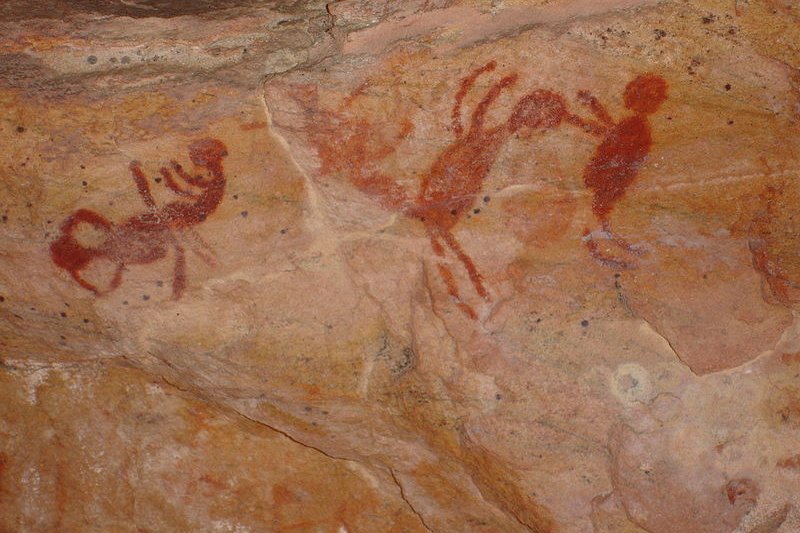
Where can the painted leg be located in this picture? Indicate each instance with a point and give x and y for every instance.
(447, 275)
(474, 275)
(622, 243)
(452, 290)
(141, 185)
(199, 246)
(602, 258)
(179, 276)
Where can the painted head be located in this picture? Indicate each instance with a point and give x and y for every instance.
(646, 93)
(539, 109)
(207, 153)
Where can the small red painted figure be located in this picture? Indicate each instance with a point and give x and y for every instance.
(616, 162)
(147, 237)
(456, 177)
(782, 288)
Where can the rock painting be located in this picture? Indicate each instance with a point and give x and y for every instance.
(454, 180)
(619, 157)
(147, 237)
(778, 284)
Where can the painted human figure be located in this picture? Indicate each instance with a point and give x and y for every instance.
(783, 289)
(450, 186)
(147, 237)
(616, 162)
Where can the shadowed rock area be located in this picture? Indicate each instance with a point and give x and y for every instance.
(422, 266)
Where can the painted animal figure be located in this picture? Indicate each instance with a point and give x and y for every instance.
(147, 237)
(455, 178)
(617, 160)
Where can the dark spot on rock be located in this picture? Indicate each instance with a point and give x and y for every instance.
(124, 302)
(159, 283)
(20, 129)
(284, 230)
(476, 211)
(157, 180)
(708, 19)
(5, 218)
(585, 323)
(727, 86)
(498, 396)
(2, 298)
(84, 183)
(244, 214)
(617, 274)
(486, 199)
(741, 489)
(91, 60)
(453, 212)
(85, 320)
(83, 167)
(235, 196)
(307, 409)
(202, 217)
(660, 34)
(730, 123)
(63, 314)
(145, 297)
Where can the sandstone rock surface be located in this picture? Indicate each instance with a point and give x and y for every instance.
(366, 266)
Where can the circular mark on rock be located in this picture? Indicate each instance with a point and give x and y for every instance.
(631, 383)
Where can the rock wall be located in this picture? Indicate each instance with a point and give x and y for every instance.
(372, 266)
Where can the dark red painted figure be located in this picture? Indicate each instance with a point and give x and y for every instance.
(456, 177)
(616, 162)
(146, 238)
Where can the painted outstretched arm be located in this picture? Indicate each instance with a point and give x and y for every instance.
(597, 127)
(594, 105)
(141, 184)
(588, 126)
(173, 184)
(466, 85)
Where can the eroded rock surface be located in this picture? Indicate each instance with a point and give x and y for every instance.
(445, 266)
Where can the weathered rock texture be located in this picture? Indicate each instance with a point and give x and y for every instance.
(377, 266)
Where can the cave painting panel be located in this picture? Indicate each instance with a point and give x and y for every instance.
(147, 237)
(451, 184)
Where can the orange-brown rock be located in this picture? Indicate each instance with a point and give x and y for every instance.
(451, 266)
